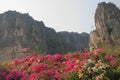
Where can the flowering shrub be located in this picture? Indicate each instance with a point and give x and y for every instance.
(94, 65)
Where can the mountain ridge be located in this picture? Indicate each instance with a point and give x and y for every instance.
(20, 30)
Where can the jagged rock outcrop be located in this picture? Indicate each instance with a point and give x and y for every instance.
(107, 22)
(18, 31)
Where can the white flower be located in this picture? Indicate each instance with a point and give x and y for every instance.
(89, 61)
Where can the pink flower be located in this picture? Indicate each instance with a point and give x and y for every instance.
(58, 57)
(42, 75)
(25, 49)
(107, 57)
(69, 66)
(33, 77)
(57, 75)
(85, 54)
(35, 64)
(67, 55)
(76, 68)
(73, 59)
(82, 63)
(99, 49)
(24, 76)
(98, 77)
(112, 62)
(50, 72)
(45, 66)
(49, 57)
(111, 59)
(16, 62)
(33, 59)
(32, 53)
(37, 68)
(24, 67)
(15, 75)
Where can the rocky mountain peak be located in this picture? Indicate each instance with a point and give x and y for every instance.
(20, 30)
(107, 22)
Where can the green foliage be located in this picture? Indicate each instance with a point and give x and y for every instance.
(36, 50)
(110, 30)
(85, 77)
(109, 48)
(112, 73)
(72, 76)
(101, 56)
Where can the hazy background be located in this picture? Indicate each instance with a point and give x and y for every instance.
(62, 15)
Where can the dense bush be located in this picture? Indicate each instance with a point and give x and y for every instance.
(95, 65)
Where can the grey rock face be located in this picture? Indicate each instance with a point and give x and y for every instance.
(107, 22)
(18, 31)
(74, 41)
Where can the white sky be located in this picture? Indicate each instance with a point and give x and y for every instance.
(62, 15)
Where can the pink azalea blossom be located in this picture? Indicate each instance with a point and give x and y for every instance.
(57, 75)
(45, 66)
(37, 68)
(82, 63)
(107, 57)
(15, 75)
(112, 62)
(58, 57)
(69, 66)
(25, 49)
(99, 49)
(49, 57)
(16, 62)
(33, 77)
(32, 53)
(50, 72)
(85, 54)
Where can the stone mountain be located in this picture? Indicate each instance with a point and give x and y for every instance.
(107, 22)
(18, 31)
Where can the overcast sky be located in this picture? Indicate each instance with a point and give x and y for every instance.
(62, 15)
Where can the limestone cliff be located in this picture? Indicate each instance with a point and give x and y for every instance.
(18, 31)
(107, 22)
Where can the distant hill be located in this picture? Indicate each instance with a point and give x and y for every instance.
(18, 31)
